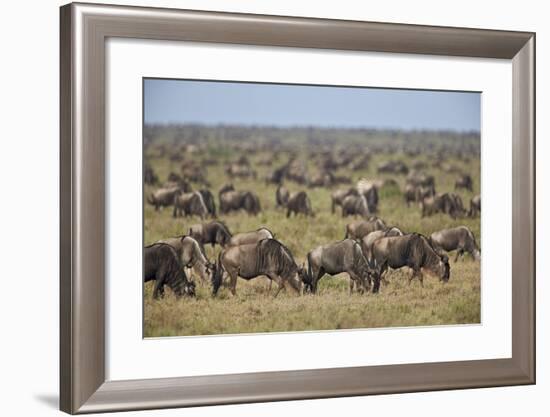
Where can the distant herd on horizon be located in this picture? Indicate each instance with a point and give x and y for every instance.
(368, 250)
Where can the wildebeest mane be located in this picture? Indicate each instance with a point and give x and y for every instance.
(272, 252)
(175, 275)
(265, 228)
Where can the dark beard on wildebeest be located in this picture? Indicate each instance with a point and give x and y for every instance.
(268, 257)
(412, 250)
(335, 258)
(162, 265)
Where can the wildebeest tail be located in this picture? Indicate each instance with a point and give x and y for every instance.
(150, 200)
(217, 275)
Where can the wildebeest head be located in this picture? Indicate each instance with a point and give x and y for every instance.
(187, 288)
(222, 236)
(304, 278)
(443, 269)
(296, 283)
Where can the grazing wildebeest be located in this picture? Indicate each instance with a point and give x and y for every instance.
(267, 257)
(475, 206)
(299, 202)
(370, 191)
(191, 255)
(149, 176)
(368, 240)
(232, 200)
(417, 193)
(215, 232)
(162, 265)
(240, 170)
(189, 204)
(414, 251)
(339, 195)
(355, 205)
(209, 202)
(163, 197)
(277, 176)
(335, 258)
(448, 203)
(360, 228)
(458, 238)
(393, 167)
(464, 181)
(281, 196)
(418, 179)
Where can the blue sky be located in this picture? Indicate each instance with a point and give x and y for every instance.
(211, 103)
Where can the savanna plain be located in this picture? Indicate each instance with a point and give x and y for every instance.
(444, 155)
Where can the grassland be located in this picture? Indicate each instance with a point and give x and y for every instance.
(254, 309)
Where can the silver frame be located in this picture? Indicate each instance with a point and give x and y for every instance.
(84, 30)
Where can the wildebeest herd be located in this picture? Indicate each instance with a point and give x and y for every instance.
(231, 204)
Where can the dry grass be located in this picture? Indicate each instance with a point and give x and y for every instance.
(255, 310)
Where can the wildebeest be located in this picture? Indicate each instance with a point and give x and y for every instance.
(281, 196)
(414, 251)
(189, 204)
(360, 228)
(214, 232)
(209, 202)
(162, 265)
(355, 205)
(149, 176)
(240, 170)
(418, 179)
(299, 203)
(393, 167)
(321, 179)
(417, 193)
(163, 197)
(191, 255)
(335, 258)
(338, 196)
(267, 257)
(464, 181)
(277, 176)
(448, 203)
(246, 238)
(370, 191)
(475, 206)
(368, 240)
(458, 238)
(232, 200)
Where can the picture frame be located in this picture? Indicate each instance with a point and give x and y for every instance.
(84, 29)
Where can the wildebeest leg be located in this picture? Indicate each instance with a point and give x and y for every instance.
(280, 282)
(351, 285)
(316, 276)
(459, 252)
(233, 281)
(412, 276)
(354, 278)
(158, 290)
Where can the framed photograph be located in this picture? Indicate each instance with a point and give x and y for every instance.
(265, 208)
